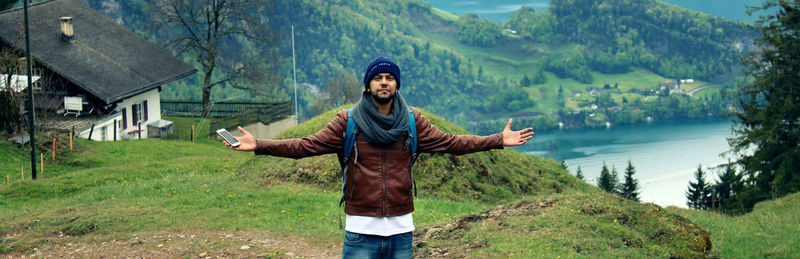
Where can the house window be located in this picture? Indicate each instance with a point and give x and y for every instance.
(139, 112)
(136, 113)
(124, 118)
(144, 108)
(36, 84)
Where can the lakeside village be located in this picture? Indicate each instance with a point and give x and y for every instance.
(603, 106)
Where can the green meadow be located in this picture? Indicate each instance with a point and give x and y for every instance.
(769, 231)
(491, 204)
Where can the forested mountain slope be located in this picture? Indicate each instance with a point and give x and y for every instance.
(672, 41)
(575, 40)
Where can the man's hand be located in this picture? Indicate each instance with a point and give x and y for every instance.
(515, 138)
(246, 142)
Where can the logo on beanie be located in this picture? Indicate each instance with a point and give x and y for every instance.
(378, 65)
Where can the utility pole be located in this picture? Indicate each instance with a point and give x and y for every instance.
(30, 91)
(294, 71)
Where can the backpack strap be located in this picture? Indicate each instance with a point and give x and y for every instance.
(349, 137)
(412, 131)
(349, 143)
(412, 137)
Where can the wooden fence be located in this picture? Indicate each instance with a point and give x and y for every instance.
(195, 108)
(230, 114)
(265, 116)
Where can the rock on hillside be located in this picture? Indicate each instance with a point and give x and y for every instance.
(593, 224)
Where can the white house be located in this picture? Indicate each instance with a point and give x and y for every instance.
(130, 121)
(92, 70)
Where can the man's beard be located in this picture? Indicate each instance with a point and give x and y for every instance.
(382, 100)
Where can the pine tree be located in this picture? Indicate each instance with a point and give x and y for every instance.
(726, 190)
(615, 180)
(579, 173)
(630, 188)
(525, 81)
(606, 181)
(564, 164)
(698, 195)
(765, 128)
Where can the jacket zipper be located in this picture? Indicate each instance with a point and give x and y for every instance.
(383, 174)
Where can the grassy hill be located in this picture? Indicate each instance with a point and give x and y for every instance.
(769, 231)
(477, 205)
(492, 176)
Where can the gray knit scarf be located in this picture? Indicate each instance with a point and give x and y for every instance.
(381, 130)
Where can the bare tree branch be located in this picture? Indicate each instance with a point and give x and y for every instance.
(212, 33)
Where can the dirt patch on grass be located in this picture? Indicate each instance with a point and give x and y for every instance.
(451, 230)
(181, 244)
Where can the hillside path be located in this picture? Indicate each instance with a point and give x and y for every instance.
(691, 93)
(183, 244)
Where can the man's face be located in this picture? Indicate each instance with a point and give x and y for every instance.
(382, 88)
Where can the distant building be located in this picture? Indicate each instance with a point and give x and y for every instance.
(576, 93)
(90, 66)
(687, 81)
(592, 90)
(18, 82)
(669, 85)
(511, 30)
(677, 91)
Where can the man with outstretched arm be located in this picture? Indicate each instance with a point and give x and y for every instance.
(378, 187)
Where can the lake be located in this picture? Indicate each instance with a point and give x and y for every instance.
(500, 11)
(497, 11)
(665, 154)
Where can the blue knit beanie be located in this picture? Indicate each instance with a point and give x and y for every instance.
(382, 65)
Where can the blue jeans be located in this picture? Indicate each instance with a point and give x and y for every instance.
(369, 246)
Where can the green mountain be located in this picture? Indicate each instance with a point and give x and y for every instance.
(472, 71)
(671, 41)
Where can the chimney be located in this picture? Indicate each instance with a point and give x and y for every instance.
(67, 33)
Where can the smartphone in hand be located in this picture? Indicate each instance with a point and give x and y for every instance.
(228, 137)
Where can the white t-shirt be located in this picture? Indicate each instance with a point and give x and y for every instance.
(379, 226)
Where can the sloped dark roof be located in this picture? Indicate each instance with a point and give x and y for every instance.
(104, 58)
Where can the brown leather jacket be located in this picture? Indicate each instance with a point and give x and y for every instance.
(379, 183)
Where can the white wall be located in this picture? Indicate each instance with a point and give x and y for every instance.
(153, 98)
(106, 126)
(261, 131)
